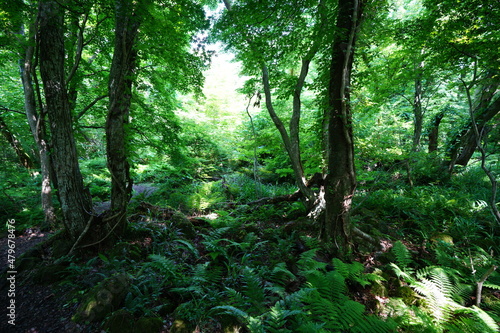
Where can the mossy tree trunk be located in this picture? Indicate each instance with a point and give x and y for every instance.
(76, 203)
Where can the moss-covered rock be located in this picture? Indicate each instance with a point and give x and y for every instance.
(121, 321)
(181, 326)
(408, 295)
(105, 298)
(183, 224)
(149, 324)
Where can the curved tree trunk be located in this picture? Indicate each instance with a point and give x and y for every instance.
(76, 203)
(340, 179)
(487, 106)
(37, 125)
(24, 158)
(120, 92)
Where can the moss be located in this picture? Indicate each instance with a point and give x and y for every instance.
(442, 237)
(181, 326)
(103, 299)
(183, 224)
(149, 324)
(121, 321)
(408, 295)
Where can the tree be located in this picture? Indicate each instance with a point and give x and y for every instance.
(259, 41)
(75, 200)
(128, 16)
(461, 34)
(340, 174)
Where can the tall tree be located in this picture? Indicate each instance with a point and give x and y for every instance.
(75, 200)
(127, 21)
(340, 174)
(293, 33)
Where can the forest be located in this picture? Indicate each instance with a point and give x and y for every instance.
(254, 166)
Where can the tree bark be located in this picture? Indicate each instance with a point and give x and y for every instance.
(36, 122)
(340, 178)
(418, 112)
(120, 92)
(434, 132)
(75, 200)
(24, 158)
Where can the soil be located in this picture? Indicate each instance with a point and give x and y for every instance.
(38, 309)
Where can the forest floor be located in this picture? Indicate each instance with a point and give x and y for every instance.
(38, 308)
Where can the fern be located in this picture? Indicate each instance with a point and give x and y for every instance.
(403, 257)
(437, 287)
(308, 264)
(164, 265)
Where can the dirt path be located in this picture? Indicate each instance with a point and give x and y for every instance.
(38, 309)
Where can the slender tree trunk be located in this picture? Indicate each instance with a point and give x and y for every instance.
(120, 92)
(37, 125)
(418, 113)
(486, 106)
(75, 200)
(340, 179)
(434, 132)
(291, 137)
(24, 158)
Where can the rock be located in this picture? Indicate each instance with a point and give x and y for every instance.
(121, 321)
(105, 298)
(149, 324)
(183, 224)
(181, 326)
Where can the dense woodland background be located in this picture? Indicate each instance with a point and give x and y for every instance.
(256, 166)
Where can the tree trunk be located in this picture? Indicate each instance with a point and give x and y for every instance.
(76, 203)
(37, 125)
(434, 132)
(340, 179)
(24, 158)
(464, 145)
(418, 113)
(120, 91)
(487, 105)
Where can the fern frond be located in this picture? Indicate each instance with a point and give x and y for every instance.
(485, 318)
(204, 274)
(235, 297)
(310, 326)
(189, 246)
(232, 311)
(281, 274)
(307, 262)
(403, 257)
(253, 287)
(491, 286)
(341, 267)
(163, 264)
